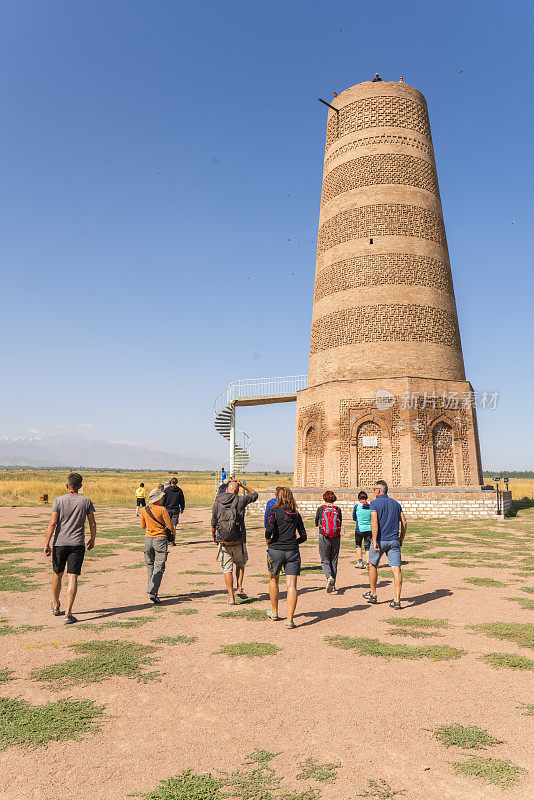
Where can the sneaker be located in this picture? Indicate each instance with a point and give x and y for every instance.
(360, 565)
(330, 584)
(395, 605)
(371, 598)
(155, 599)
(290, 624)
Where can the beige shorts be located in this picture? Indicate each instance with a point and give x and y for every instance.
(233, 554)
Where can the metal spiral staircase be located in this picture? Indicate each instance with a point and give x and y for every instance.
(250, 392)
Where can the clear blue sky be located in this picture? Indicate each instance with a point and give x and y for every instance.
(161, 174)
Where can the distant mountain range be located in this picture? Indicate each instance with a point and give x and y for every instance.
(75, 451)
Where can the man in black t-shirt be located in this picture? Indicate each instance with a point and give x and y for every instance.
(376, 78)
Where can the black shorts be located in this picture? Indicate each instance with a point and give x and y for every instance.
(68, 555)
(289, 559)
(141, 502)
(363, 537)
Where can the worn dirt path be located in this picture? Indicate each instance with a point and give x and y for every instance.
(209, 711)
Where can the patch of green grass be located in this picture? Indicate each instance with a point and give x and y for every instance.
(509, 661)
(528, 709)
(373, 647)
(134, 566)
(187, 786)
(525, 602)
(198, 572)
(100, 660)
(259, 756)
(414, 548)
(306, 568)
(6, 675)
(132, 622)
(9, 630)
(522, 633)
(528, 589)
(484, 582)
(252, 614)
(16, 578)
(176, 639)
(248, 649)
(24, 725)
(310, 769)
(467, 736)
(413, 634)
(498, 771)
(381, 790)
(417, 622)
(186, 611)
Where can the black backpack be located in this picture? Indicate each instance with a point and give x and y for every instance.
(228, 523)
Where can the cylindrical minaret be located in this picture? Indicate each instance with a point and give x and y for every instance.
(384, 314)
(384, 302)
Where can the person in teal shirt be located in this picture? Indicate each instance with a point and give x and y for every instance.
(362, 535)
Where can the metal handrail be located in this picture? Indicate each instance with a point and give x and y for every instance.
(249, 388)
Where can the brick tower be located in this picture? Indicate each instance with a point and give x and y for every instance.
(387, 395)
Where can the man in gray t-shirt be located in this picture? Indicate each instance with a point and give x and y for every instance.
(67, 526)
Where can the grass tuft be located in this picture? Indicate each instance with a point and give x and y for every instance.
(101, 660)
(373, 647)
(525, 602)
(249, 649)
(469, 737)
(417, 622)
(310, 769)
(509, 661)
(528, 709)
(186, 611)
(24, 725)
(252, 614)
(485, 582)
(522, 633)
(6, 675)
(132, 622)
(381, 790)
(498, 771)
(259, 756)
(187, 786)
(176, 639)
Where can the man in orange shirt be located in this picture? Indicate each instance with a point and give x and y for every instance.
(156, 522)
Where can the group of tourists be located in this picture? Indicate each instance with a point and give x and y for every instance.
(380, 529)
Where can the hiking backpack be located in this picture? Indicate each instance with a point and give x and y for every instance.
(227, 523)
(330, 522)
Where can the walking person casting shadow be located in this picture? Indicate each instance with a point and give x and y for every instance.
(159, 531)
(283, 551)
(67, 526)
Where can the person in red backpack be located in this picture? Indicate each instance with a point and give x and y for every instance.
(328, 519)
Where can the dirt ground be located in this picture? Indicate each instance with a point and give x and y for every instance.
(207, 711)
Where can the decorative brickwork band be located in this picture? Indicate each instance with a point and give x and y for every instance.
(384, 219)
(443, 454)
(382, 139)
(378, 112)
(385, 323)
(382, 168)
(383, 269)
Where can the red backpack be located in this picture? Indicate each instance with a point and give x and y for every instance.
(330, 523)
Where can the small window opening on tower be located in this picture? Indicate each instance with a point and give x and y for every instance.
(370, 241)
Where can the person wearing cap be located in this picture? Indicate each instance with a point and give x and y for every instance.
(156, 522)
(376, 78)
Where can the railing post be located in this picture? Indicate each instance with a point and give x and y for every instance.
(232, 440)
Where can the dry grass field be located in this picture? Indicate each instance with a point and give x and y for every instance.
(21, 487)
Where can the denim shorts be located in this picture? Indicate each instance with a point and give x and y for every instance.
(392, 549)
(289, 559)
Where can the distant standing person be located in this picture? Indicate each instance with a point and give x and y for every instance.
(140, 498)
(270, 504)
(156, 522)
(386, 514)
(284, 533)
(376, 78)
(174, 501)
(328, 519)
(361, 515)
(223, 475)
(228, 530)
(67, 526)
